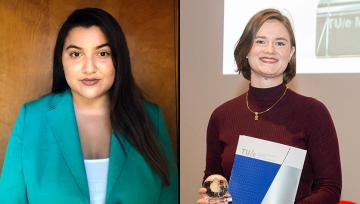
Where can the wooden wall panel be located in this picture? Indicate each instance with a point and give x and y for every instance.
(27, 37)
(153, 53)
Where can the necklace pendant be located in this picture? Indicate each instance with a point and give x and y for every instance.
(256, 116)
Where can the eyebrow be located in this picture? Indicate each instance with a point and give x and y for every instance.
(279, 38)
(102, 45)
(79, 48)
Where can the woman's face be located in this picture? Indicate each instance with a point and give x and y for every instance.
(270, 53)
(87, 61)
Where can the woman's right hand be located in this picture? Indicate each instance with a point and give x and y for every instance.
(204, 199)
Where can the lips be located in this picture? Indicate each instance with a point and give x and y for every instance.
(89, 81)
(269, 60)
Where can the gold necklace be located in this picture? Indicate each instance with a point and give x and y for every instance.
(256, 113)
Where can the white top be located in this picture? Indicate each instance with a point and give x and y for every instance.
(97, 173)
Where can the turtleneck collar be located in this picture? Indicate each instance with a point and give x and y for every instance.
(265, 97)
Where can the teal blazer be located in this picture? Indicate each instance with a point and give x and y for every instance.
(44, 161)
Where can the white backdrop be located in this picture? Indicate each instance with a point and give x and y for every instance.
(303, 15)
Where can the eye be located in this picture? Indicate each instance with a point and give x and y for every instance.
(260, 42)
(280, 43)
(104, 53)
(75, 54)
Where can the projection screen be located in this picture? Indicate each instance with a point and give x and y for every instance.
(327, 32)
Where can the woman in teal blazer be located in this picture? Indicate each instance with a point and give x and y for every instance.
(95, 112)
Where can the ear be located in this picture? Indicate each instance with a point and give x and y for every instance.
(292, 52)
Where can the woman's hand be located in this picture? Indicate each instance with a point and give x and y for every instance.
(204, 199)
(202, 193)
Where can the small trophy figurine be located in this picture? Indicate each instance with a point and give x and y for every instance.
(216, 188)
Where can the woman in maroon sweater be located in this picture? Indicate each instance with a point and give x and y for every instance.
(265, 55)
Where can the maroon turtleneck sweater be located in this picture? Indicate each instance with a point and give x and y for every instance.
(297, 121)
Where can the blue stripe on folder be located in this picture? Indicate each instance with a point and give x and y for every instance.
(252, 179)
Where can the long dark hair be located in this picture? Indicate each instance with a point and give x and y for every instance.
(128, 116)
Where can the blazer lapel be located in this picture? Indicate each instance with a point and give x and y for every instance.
(63, 125)
(118, 156)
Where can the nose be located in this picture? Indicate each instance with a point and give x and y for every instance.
(89, 66)
(269, 48)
